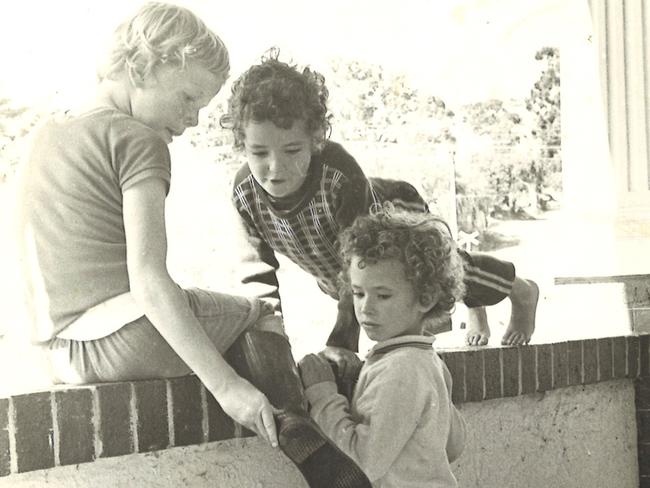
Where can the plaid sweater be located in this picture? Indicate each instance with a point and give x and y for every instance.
(305, 227)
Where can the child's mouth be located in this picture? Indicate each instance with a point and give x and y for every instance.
(369, 325)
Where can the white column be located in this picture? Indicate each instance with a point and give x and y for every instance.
(622, 29)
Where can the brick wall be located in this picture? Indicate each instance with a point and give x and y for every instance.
(79, 424)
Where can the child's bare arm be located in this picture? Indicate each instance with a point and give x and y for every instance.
(165, 306)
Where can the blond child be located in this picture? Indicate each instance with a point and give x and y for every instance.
(400, 425)
(93, 240)
(297, 191)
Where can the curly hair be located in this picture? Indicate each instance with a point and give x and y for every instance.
(420, 241)
(162, 33)
(281, 93)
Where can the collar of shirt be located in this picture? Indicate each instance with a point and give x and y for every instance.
(417, 341)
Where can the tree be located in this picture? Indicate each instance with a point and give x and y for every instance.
(500, 166)
(373, 105)
(544, 104)
(519, 144)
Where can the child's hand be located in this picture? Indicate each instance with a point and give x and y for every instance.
(348, 362)
(315, 369)
(249, 407)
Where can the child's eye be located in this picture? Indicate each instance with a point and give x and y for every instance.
(357, 294)
(259, 154)
(383, 296)
(293, 151)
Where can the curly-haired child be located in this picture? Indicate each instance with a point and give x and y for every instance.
(400, 425)
(298, 191)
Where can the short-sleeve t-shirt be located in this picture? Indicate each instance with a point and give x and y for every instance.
(71, 229)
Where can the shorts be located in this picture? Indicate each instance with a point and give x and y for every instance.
(488, 280)
(137, 350)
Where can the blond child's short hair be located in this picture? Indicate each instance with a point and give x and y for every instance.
(161, 33)
(420, 241)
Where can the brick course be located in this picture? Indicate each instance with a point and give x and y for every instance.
(187, 410)
(74, 415)
(115, 420)
(605, 359)
(510, 371)
(590, 361)
(33, 431)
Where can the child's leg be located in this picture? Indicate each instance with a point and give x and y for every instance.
(488, 281)
(478, 329)
(524, 297)
(263, 356)
(137, 351)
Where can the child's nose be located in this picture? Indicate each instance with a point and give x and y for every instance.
(367, 306)
(191, 116)
(191, 119)
(275, 164)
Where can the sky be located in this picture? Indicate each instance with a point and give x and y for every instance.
(460, 50)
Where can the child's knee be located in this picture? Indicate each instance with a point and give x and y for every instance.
(269, 323)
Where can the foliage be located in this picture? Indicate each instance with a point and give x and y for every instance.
(544, 103)
(500, 167)
(373, 105)
(15, 124)
(210, 135)
(493, 154)
(518, 160)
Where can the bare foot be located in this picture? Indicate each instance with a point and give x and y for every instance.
(478, 332)
(524, 297)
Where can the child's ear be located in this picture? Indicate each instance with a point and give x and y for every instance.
(426, 302)
(317, 142)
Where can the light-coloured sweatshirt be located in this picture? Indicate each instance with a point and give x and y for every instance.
(401, 426)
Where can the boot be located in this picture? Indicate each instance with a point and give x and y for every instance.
(264, 359)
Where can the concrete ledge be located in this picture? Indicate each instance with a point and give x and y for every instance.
(72, 425)
(234, 463)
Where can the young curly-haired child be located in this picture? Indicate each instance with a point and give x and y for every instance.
(298, 191)
(400, 425)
